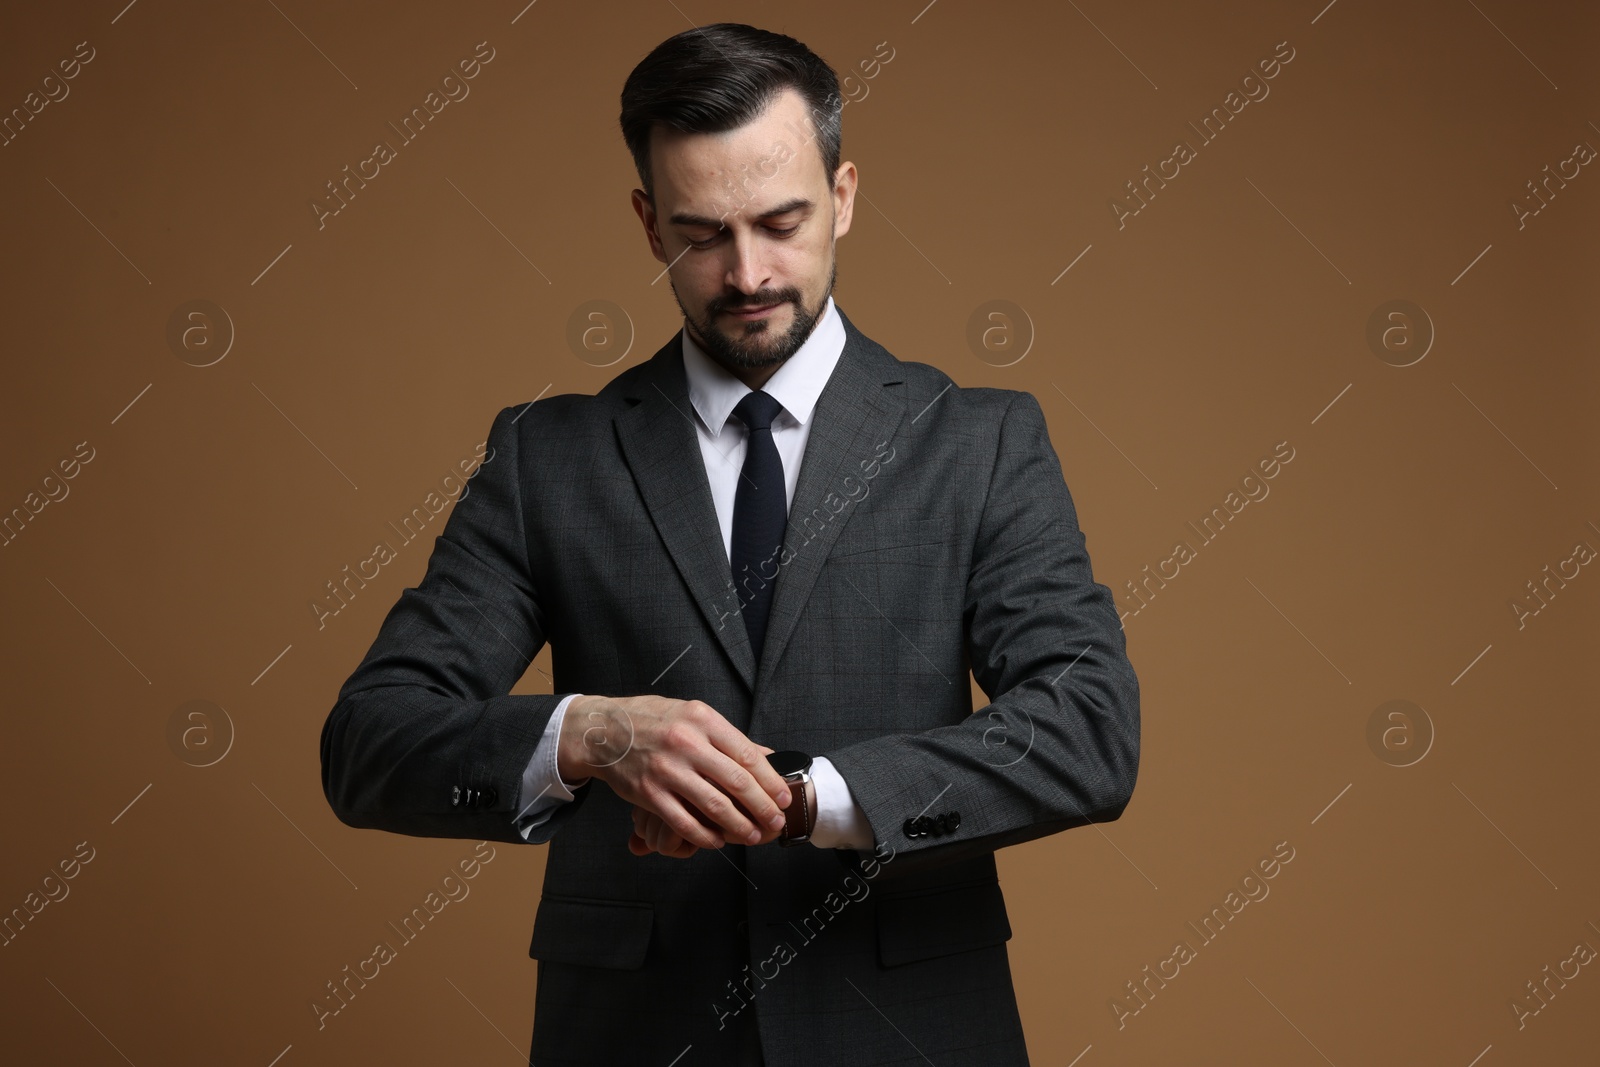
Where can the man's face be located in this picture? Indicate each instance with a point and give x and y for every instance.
(747, 224)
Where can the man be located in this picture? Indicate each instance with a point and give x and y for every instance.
(773, 539)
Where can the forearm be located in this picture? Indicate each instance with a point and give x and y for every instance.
(425, 737)
(410, 761)
(1058, 750)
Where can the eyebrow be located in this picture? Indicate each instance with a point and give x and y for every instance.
(685, 218)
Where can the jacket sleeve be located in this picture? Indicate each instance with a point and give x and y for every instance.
(424, 738)
(1058, 746)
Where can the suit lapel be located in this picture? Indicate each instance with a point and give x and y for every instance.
(854, 414)
(660, 443)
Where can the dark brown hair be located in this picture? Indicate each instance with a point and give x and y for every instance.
(716, 78)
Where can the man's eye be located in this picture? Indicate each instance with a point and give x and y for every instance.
(707, 242)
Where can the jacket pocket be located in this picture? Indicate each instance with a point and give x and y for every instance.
(592, 932)
(937, 922)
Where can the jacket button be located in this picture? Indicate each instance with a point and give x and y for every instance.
(942, 822)
(910, 828)
(472, 798)
(925, 825)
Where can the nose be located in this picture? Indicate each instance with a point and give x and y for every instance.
(748, 271)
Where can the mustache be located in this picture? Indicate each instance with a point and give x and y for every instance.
(757, 302)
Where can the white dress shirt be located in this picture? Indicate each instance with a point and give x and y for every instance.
(838, 821)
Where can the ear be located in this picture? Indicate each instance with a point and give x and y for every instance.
(844, 198)
(647, 215)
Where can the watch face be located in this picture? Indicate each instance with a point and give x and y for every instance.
(789, 761)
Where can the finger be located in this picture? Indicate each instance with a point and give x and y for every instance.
(674, 846)
(709, 803)
(638, 843)
(670, 844)
(753, 758)
(738, 766)
(750, 786)
(666, 840)
(645, 822)
(718, 808)
(652, 835)
(670, 811)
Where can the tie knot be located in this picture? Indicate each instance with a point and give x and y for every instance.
(757, 410)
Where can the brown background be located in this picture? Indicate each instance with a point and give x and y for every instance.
(368, 358)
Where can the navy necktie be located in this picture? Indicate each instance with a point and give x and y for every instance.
(760, 515)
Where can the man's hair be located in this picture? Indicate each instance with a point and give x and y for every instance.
(716, 78)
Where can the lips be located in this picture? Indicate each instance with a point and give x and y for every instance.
(751, 312)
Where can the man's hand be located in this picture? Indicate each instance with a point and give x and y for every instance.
(681, 761)
(651, 833)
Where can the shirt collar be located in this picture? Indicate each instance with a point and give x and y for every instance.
(714, 392)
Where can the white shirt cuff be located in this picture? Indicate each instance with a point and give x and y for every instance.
(542, 787)
(839, 822)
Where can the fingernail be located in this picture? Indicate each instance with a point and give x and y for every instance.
(753, 837)
(776, 822)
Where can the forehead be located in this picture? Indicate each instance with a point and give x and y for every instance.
(771, 159)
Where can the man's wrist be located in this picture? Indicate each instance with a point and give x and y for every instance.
(571, 766)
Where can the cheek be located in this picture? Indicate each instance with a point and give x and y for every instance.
(698, 276)
(803, 259)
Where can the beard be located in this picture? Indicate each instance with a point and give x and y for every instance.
(755, 345)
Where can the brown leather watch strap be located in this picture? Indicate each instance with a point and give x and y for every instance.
(802, 831)
(795, 767)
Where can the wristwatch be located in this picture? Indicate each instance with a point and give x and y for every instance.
(795, 767)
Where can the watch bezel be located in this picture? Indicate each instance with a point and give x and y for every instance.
(789, 762)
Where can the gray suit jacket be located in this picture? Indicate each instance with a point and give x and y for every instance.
(931, 533)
